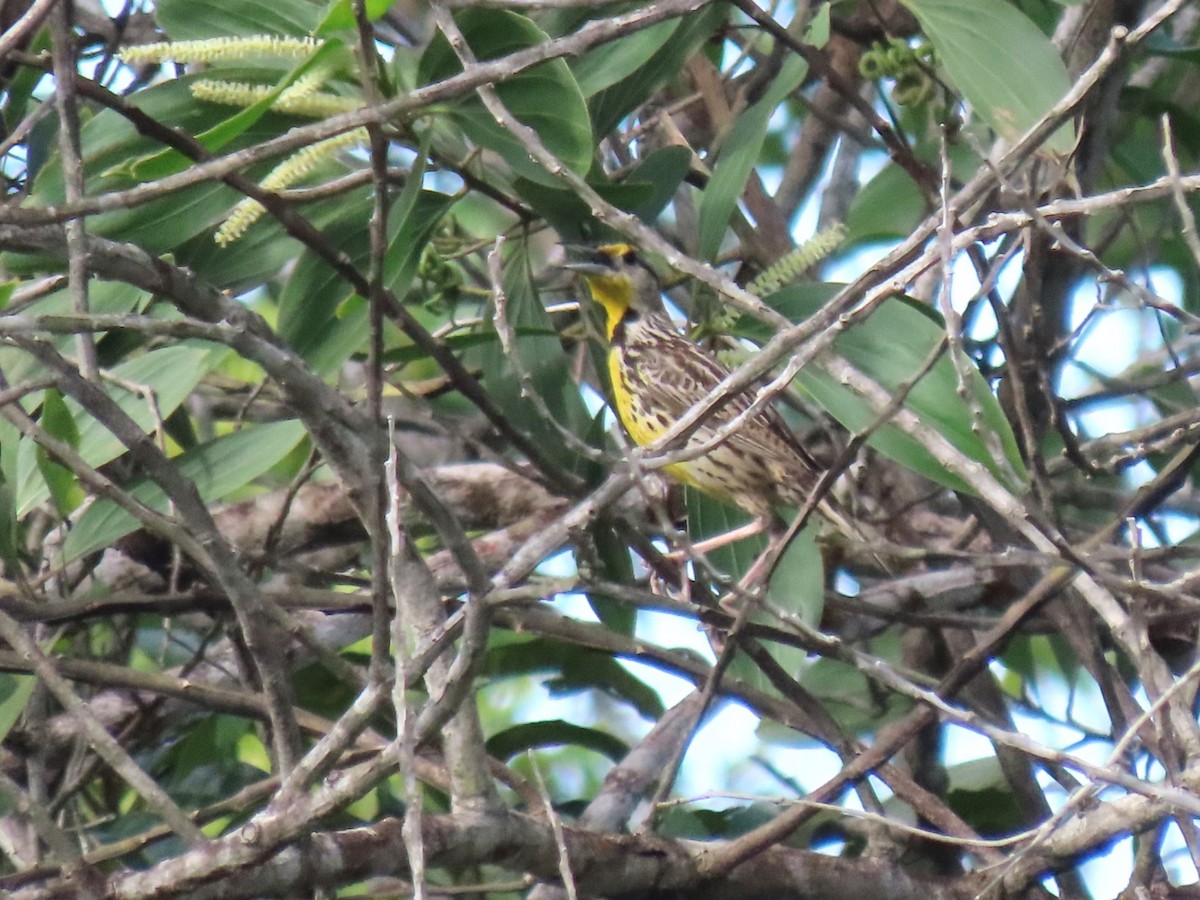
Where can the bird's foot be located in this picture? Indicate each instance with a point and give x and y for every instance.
(750, 529)
(753, 584)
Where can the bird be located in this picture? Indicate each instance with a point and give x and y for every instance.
(657, 374)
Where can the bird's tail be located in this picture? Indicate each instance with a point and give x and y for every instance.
(857, 532)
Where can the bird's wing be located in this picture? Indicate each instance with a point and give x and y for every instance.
(672, 388)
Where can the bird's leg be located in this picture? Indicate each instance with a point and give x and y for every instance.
(687, 553)
(658, 583)
(692, 548)
(758, 526)
(762, 567)
(683, 555)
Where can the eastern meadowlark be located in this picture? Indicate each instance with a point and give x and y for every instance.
(658, 374)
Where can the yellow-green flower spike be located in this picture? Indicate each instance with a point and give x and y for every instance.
(804, 257)
(304, 102)
(222, 48)
(287, 173)
(304, 161)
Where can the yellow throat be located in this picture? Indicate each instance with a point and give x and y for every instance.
(614, 292)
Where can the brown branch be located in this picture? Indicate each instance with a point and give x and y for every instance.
(603, 864)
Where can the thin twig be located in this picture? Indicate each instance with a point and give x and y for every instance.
(65, 76)
(401, 641)
(560, 840)
(1190, 235)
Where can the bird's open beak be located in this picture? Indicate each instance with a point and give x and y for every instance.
(586, 268)
(586, 260)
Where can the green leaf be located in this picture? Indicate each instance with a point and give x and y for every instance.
(890, 346)
(340, 15)
(613, 104)
(743, 146)
(10, 442)
(170, 372)
(1005, 67)
(10, 529)
(890, 205)
(108, 140)
(217, 468)
(545, 97)
(849, 697)
(104, 298)
(19, 87)
(616, 566)
(707, 518)
(664, 170)
(606, 65)
(738, 155)
(553, 733)
(187, 20)
(575, 670)
(538, 350)
(258, 254)
(1162, 44)
(312, 315)
(267, 248)
(797, 583)
(56, 420)
(644, 192)
(16, 690)
(1034, 658)
(980, 793)
(887, 207)
(168, 162)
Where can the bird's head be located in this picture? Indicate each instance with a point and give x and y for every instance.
(618, 280)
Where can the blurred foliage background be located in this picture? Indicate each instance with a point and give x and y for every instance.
(326, 569)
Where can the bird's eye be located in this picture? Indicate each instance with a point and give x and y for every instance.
(629, 257)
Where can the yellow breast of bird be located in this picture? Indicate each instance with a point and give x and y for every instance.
(657, 375)
(643, 424)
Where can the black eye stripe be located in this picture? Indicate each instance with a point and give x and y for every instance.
(629, 257)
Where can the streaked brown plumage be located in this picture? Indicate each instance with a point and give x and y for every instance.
(658, 374)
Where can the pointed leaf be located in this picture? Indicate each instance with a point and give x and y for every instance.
(891, 346)
(312, 315)
(56, 421)
(1007, 68)
(797, 583)
(553, 733)
(168, 162)
(545, 97)
(606, 65)
(217, 468)
(738, 156)
(109, 140)
(613, 104)
(539, 352)
(340, 15)
(576, 670)
(186, 20)
(170, 372)
(16, 690)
